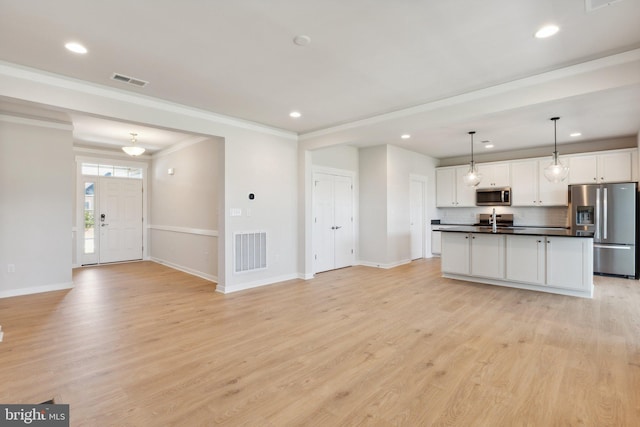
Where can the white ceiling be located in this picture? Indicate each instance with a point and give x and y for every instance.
(374, 68)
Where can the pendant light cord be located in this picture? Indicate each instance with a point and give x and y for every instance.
(471, 133)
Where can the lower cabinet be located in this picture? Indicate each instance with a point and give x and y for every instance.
(474, 254)
(487, 255)
(526, 259)
(552, 264)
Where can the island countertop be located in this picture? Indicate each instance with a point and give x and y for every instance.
(523, 231)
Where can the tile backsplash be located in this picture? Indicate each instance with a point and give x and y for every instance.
(522, 216)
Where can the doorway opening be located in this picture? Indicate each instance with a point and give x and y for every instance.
(111, 211)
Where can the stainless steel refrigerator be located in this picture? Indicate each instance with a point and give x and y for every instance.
(608, 211)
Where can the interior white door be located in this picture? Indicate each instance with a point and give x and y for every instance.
(332, 221)
(120, 219)
(416, 218)
(343, 221)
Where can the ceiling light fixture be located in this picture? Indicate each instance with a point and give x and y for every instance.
(302, 40)
(133, 149)
(488, 145)
(575, 134)
(547, 31)
(555, 171)
(405, 136)
(472, 177)
(295, 114)
(76, 48)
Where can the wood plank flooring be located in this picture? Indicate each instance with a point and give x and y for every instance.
(143, 345)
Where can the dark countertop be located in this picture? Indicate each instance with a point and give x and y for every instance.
(520, 231)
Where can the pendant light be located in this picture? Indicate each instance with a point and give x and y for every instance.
(555, 171)
(472, 177)
(133, 149)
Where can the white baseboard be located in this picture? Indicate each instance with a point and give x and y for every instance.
(35, 289)
(226, 289)
(308, 276)
(385, 266)
(185, 269)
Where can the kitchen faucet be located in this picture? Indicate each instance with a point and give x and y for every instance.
(492, 221)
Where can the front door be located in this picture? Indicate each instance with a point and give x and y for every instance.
(120, 219)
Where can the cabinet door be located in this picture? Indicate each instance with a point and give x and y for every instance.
(524, 183)
(445, 187)
(614, 167)
(564, 251)
(582, 169)
(495, 175)
(551, 193)
(487, 256)
(465, 195)
(525, 259)
(455, 253)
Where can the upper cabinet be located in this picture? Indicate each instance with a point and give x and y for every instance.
(495, 175)
(599, 168)
(451, 192)
(529, 187)
(526, 178)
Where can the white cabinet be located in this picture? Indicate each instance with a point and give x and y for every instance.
(563, 252)
(495, 175)
(526, 259)
(600, 168)
(562, 265)
(458, 247)
(529, 187)
(451, 190)
(487, 255)
(474, 254)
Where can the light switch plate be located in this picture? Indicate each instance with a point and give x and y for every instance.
(236, 212)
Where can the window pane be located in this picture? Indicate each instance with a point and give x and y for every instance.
(105, 170)
(89, 169)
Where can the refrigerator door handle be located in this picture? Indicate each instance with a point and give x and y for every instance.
(612, 247)
(604, 220)
(597, 234)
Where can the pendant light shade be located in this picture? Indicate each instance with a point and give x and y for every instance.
(472, 177)
(133, 149)
(556, 171)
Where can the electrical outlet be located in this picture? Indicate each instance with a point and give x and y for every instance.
(11, 268)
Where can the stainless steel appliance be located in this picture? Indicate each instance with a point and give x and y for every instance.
(609, 213)
(493, 196)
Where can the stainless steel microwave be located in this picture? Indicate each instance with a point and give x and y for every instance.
(493, 196)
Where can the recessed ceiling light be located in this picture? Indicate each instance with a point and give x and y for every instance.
(405, 136)
(575, 134)
(547, 31)
(488, 146)
(76, 48)
(295, 114)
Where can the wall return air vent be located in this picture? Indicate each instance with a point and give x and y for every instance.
(129, 80)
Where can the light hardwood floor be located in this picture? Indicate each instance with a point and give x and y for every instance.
(143, 345)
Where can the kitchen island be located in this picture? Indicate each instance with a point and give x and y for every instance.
(554, 260)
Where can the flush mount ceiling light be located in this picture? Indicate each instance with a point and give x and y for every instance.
(575, 134)
(472, 177)
(76, 48)
(405, 136)
(295, 114)
(555, 171)
(302, 40)
(547, 31)
(133, 149)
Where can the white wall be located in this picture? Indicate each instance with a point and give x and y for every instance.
(385, 176)
(36, 196)
(339, 157)
(184, 207)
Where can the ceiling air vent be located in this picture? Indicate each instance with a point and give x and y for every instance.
(592, 5)
(129, 80)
